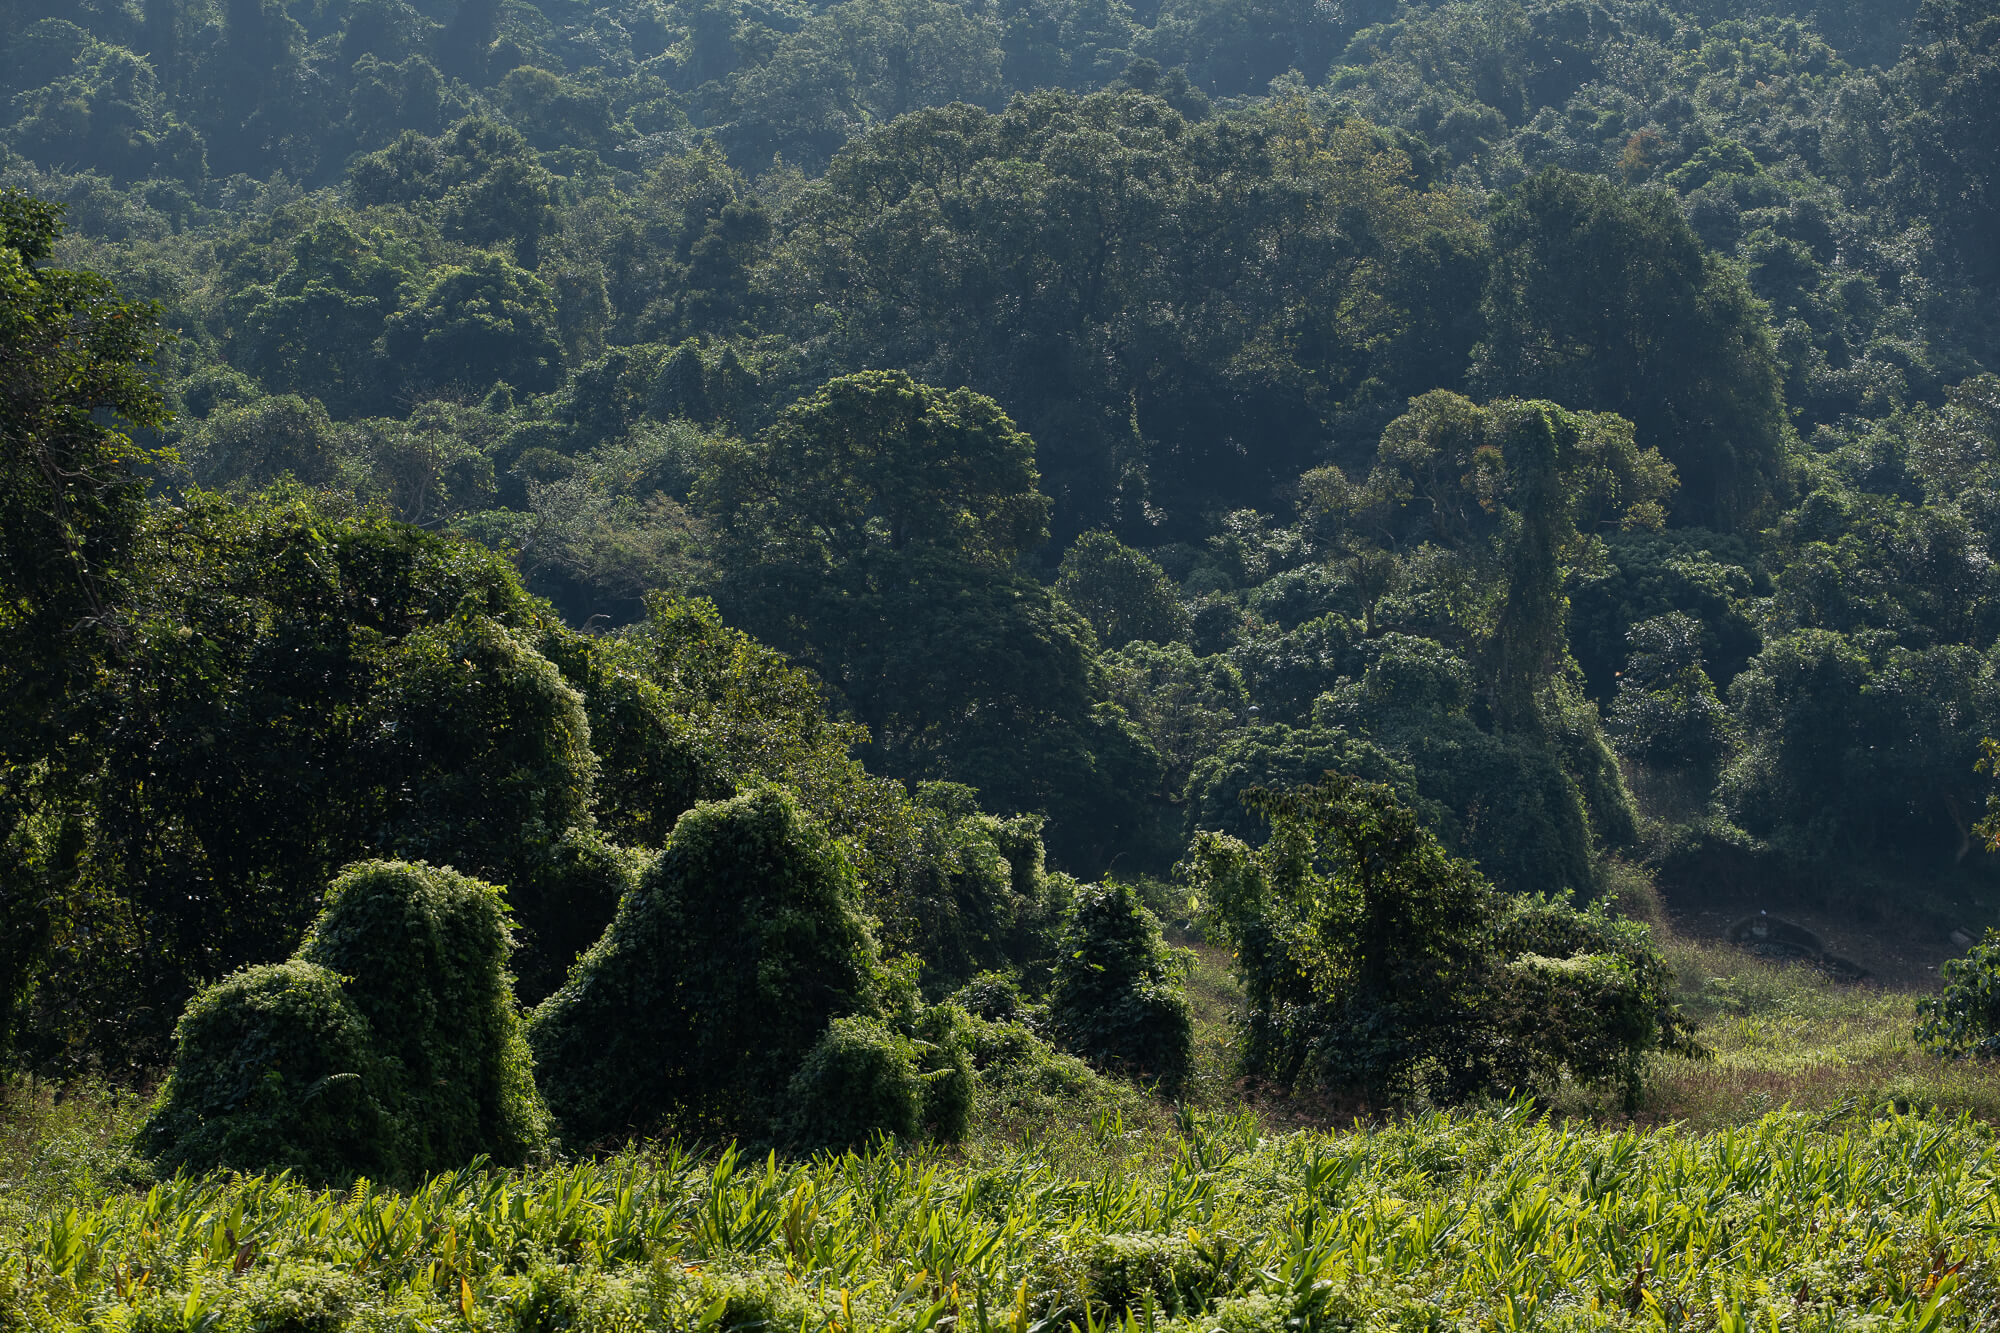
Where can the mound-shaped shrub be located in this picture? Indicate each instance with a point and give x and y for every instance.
(858, 1080)
(1117, 999)
(276, 1070)
(389, 1046)
(425, 949)
(721, 970)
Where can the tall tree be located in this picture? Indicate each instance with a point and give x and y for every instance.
(1606, 301)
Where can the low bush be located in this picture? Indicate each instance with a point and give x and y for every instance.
(1965, 1019)
(943, 1038)
(1117, 999)
(723, 967)
(389, 1046)
(1123, 1270)
(275, 1070)
(1376, 962)
(859, 1080)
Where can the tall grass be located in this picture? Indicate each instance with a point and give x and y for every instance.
(1498, 1219)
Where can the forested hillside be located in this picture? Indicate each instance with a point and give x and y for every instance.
(1000, 599)
(1579, 416)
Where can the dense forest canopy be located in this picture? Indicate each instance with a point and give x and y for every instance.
(484, 432)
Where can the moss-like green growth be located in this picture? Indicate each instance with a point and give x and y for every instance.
(388, 1047)
(1117, 999)
(276, 1070)
(426, 951)
(722, 969)
(857, 1081)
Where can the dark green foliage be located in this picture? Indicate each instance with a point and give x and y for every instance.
(487, 744)
(872, 530)
(472, 326)
(1606, 301)
(721, 970)
(276, 1069)
(1117, 998)
(498, 270)
(993, 996)
(1374, 961)
(944, 1038)
(563, 900)
(1121, 592)
(856, 1082)
(1965, 1019)
(424, 952)
(390, 1046)
(71, 499)
(1667, 713)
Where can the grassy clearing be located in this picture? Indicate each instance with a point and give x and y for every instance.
(1873, 1202)
(1783, 1034)
(1498, 1219)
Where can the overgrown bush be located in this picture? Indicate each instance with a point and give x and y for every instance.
(994, 996)
(275, 1070)
(721, 970)
(860, 1079)
(389, 1046)
(1117, 999)
(423, 954)
(1374, 961)
(944, 1039)
(1965, 1019)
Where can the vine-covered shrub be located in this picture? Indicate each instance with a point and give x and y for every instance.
(1375, 961)
(1965, 1019)
(858, 1080)
(275, 1070)
(1582, 991)
(425, 949)
(1117, 999)
(721, 970)
(944, 1039)
(388, 1047)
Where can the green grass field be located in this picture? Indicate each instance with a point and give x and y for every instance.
(1817, 1173)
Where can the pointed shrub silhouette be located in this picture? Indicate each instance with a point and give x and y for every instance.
(1117, 999)
(390, 1046)
(722, 969)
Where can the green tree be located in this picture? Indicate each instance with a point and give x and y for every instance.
(475, 325)
(872, 530)
(857, 65)
(1123, 593)
(71, 492)
(1375, 961)
(1949, 165)
(315, 330)
(1517, 495)
(1606, 301)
